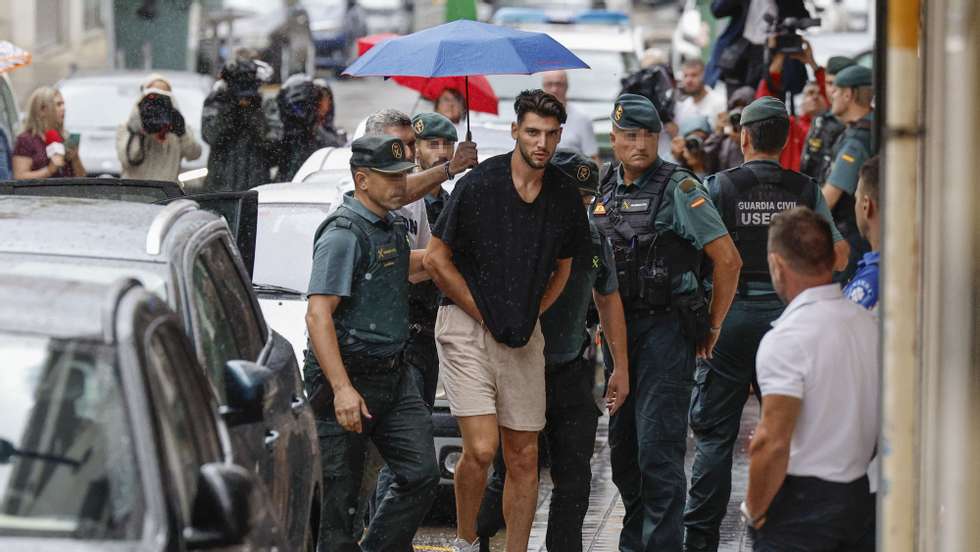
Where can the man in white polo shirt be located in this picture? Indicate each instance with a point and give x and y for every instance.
(818, 373)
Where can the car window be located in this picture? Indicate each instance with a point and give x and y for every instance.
(215, 341)
(187, 442)
(236, 299)
(68, 462)
(284, 243)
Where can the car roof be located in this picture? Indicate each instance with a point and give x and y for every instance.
(87, 227)
(313, 190)
(58, 307)
(127, 77)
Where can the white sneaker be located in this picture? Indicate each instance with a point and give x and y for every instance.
(459, 545)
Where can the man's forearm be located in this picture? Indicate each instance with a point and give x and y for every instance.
(768, 462)
(613, 322)
(556, 284)
(452, 284)
(423, 182)
(323, 337)
(724, 281)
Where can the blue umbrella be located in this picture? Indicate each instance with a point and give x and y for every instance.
(462, 48)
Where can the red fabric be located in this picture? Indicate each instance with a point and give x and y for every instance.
(481, 95)
(799, 125)
(52, 136)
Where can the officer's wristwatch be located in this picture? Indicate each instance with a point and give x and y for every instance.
(747, 517)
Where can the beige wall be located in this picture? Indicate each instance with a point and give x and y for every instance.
(87, 49)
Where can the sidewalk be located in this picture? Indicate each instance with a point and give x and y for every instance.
(604, 519)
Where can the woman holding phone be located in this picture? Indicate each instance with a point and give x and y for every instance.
(44, 149)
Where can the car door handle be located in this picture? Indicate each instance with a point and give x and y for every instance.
(271, 437)
(297, 404)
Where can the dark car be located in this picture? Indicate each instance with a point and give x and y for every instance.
(110, 437)
(188, 256)
(278, 31)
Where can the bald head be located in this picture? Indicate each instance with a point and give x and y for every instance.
(556, 84)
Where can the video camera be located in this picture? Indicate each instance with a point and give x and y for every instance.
(787, 32)
(693, 144)
(243, 79)
(655, 84)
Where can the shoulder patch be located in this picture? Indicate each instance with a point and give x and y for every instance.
(688, 185)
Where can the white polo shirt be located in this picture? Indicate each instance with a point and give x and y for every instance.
(824, 351)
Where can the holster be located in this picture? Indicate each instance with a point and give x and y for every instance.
(693, 312)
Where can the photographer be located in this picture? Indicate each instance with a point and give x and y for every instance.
(722, 150)
(241, 130)
(151, 144)
(299, 102)
(688, 146)
(328, 135)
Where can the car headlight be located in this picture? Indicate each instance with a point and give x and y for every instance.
(450, 459)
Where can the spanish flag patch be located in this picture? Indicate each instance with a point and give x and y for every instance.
(697, 202)
(846, 157)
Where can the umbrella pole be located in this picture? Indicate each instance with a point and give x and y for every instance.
(416, 106)
(466, 82)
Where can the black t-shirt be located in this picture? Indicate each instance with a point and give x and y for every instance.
(505, 248)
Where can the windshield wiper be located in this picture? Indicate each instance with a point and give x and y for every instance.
(8, 451)
(276, 290)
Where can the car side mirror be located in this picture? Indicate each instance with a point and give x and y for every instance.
(246, 387)
(222, 510)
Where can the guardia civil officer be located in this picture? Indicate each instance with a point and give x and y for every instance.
(435, 145)
(358, 325)
(747, 198)
(571, 416)
(660, 222)
(851, 103)
(826, 128)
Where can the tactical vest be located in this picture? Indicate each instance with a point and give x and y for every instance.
(843, 211)
(647, 261)
(377, 309)
(747, 201)
(818, 150)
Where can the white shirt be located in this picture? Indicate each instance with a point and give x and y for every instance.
(713, 103)
(755, 22)
(824, 351)
(419, 232)
(577, 133)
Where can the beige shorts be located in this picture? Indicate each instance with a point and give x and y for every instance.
(482, 376)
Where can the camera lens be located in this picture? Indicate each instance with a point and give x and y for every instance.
(693, 143)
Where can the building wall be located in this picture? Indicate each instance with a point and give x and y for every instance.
(62, 36)
(159, 43)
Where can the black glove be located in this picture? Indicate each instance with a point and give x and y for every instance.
(177, 125)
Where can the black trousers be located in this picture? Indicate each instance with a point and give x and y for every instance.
(569, 435)
(812, 515)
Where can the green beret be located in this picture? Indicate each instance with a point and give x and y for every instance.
(838, 63)
(384, 154)
(579, 169)
(853, 77)
(434, 125)
(763, 109)
(634, 111)
(694, 123)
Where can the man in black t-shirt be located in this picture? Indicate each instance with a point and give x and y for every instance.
(501, 253)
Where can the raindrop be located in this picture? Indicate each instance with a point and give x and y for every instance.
(368, 276)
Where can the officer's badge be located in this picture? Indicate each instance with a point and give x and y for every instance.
(419, 126)
(688, 185)
(595, 262)
(600, 208)
(396, 150)
(583, 173)
(619, 112)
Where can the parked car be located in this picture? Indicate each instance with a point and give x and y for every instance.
(336, 25)
(277, 30)
(98, 102)
(189, 257)
(387, 16)
(110, 436)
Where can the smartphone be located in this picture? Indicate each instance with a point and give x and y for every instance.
(73, 140)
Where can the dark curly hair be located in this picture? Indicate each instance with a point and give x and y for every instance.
(540, 103)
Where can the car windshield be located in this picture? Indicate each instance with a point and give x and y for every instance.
(107, 104)
(598, 84)
(68, 466)
(284, 243)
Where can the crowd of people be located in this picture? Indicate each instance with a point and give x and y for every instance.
(721, 274)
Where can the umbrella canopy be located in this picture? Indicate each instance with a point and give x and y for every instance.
(480, 94)
(12, 57)
(464, 47)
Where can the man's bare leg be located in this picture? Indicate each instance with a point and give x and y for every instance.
(520, 486)
(480, 441)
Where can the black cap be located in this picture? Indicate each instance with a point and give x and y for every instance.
(579, 169)
(385, 154)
